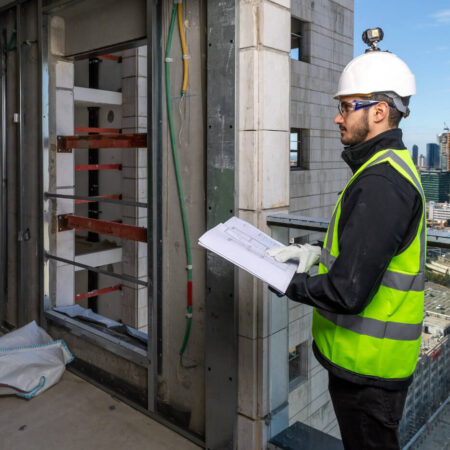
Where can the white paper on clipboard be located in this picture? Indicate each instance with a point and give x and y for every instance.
(245, 246)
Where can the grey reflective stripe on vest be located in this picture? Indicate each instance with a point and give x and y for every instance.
(373, 327)
(403, 282)
(391, 279)
(327, 259)
(422, 245)
(331, 229)
(391, 154)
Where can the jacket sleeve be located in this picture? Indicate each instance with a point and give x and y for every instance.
(379, 217)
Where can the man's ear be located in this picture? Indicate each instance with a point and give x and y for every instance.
(380, 112)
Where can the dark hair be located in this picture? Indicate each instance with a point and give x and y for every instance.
(394, 114)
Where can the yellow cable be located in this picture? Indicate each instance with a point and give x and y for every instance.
(183, 46)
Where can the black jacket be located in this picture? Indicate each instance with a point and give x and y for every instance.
(380, 215)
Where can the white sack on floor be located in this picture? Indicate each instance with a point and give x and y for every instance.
(31, 361)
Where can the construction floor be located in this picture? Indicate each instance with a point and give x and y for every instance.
(75, 415)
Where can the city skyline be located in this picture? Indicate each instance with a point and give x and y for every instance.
(425, 48)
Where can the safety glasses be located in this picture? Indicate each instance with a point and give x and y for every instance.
(346, 107)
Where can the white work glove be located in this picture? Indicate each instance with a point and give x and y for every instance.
(307, 254)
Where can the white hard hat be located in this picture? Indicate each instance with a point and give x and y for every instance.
(376, 71)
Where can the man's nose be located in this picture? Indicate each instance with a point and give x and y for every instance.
(338, 119)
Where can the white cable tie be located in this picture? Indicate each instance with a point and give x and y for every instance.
(189, 267)
(186, 56)
(188, 315)
(169, 60)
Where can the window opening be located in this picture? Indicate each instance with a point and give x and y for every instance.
(103, 242)
(298, 149)
(299, 40)
(298, 365)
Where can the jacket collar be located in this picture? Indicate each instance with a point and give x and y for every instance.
(358, 154)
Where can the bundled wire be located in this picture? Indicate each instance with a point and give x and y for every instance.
(183, 48)
(177, 10)
(185, 66)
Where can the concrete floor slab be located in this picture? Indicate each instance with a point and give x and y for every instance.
(75, 415)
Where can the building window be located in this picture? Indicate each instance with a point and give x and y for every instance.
(298, 365)
(299, 40)
(298, 149)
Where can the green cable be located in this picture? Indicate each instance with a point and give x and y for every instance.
(11, 41)
(178, 178)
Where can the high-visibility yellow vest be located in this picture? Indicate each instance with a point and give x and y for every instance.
(382, 341)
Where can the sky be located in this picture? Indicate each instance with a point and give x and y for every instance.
(418, 31)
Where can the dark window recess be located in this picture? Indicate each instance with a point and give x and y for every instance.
(299, 149)
(298, 365)
(300, 40)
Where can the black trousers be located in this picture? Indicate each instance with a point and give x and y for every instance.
(368, 416)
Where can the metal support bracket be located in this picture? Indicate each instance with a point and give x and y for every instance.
(67, 143)
(120, 230)
(60, 148)
(62, 223)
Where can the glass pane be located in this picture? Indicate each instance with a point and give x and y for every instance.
(293, 159)
(294, 141)
(295, 54)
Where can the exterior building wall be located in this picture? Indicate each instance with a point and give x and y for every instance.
(422, 162)
(314, 189)
(263, 188)
(433, 156)
(438, 212)
(444, 140)
(428, 390)
(415, 154)
(436, 185)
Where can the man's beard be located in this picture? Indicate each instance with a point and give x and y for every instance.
(359, 132)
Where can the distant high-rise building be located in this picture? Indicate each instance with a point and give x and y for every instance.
(444, 141)
(436, 185)
(433, 151)
(415, 154)
(422, 162)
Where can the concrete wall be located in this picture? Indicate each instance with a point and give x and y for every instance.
(184, 388)
(330, 24)
(314, 191)
(263, 188)
(309, 402)
(84, 17)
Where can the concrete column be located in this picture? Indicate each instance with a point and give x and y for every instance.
(61, 165)
(263, 185)
(134, 182)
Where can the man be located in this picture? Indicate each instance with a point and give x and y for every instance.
(368, 295)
